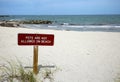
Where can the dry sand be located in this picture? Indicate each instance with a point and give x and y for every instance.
(82, 56)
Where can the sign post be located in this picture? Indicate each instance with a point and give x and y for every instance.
(35, 60)
(35, 40)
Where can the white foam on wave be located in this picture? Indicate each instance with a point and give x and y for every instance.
(104, 26)
(117, 26)
(52, 26)
(37, 25)
(90, 26)
(73, 26)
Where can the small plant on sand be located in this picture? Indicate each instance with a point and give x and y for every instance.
(117, 79)
(13, 71)
(47, 74)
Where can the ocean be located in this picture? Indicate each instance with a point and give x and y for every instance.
(71, 22)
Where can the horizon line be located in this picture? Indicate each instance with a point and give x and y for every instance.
(59, 14)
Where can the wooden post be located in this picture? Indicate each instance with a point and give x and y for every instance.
(35, 60)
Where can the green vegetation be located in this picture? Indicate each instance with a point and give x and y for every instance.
(13, 71)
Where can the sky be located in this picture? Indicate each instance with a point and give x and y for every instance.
(59, 7)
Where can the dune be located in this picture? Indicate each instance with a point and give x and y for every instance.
(82, 56)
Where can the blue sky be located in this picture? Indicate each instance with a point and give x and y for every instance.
(59, 7)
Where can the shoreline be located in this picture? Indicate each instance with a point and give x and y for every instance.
(68, 28)
(46, 24)
(80, 30)
(82, 56)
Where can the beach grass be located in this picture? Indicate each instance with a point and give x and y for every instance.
(14, 71)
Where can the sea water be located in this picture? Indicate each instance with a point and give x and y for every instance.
(71, 22)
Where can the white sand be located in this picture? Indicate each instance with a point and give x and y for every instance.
(82, 56)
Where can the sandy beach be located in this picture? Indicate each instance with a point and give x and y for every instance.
(82, 56)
